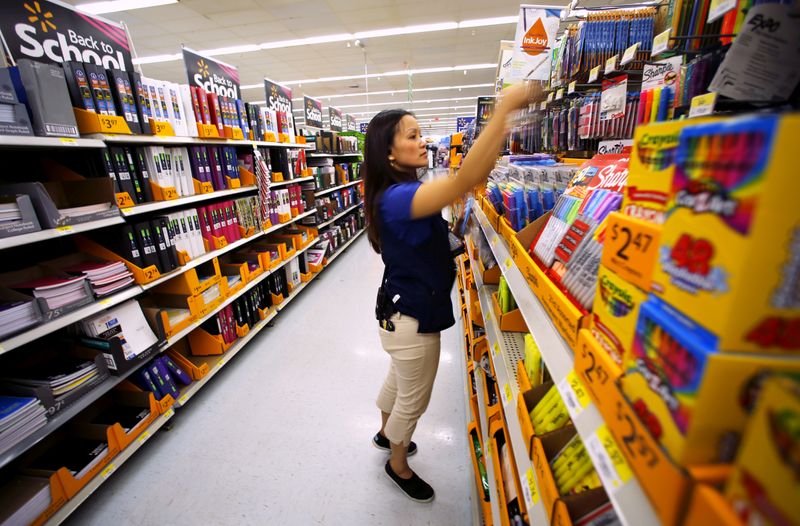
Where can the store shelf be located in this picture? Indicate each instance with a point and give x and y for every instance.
(505, 350)
(73, 504)
(176, 140)
(494, 498)
(176, 203)
(338, 216)
(44, 329)
(64, 416)
(343, 247)
(208, 256)
(31, 141)
(328, 190)
(629, 500)
(53, 233)
(190, 390)
(290, 181)
(334, 155)
(177, 337)
(295, 219)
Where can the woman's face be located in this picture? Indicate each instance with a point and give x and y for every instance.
(408, 148)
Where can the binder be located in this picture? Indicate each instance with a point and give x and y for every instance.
(128, 247)
(78, 84)
(123, 98)
(144, 240)
(138, 173)
(127, 182)
(167, 232)
(216, 169)
(108, 166)
(214, 110)
(198, 111)
(141, 167)
(162, 379)
(175, 371)
(164, 260)
(142, 103)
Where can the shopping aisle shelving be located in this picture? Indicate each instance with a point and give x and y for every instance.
(240, 437)
(626, 494)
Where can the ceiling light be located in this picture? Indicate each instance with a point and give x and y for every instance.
(99, 8)
(389, 92)
(483, 22)
(158, 58)
(407, 30)
(397, 103)
(324, 39)
(245, 48)
(465, 72)
(395, 73)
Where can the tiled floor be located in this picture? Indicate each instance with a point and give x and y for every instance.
(282, 435)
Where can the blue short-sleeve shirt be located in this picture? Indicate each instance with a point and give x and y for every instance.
(419, 269)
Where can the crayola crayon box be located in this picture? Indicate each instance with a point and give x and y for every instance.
(651, 168)
(693, 399)
(730, 245)
(614, 313)
(765, 483)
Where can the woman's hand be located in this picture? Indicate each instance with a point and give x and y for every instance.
(520, 95)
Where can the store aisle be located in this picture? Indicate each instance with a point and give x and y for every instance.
(282, 434)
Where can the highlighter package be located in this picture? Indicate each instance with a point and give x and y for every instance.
(730, 245)
(694, 400)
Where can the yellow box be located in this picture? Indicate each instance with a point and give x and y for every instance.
(695, 401)
(651, 168)
(764, 484)
(614, 313)
(730, 246)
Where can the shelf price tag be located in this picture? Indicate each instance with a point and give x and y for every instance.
(629, 54)
(496, 349)
(703, 105)
(631, 249)
(529, 491)
(571, 87)
(111, 468)
(170, 413)
(560, 94)
(68, 141)
(612, 467)
(508, 263)
(611, 64)
(661, 42)
(594, 73)
(143, 437)
(543, 105)
(507, 394)
(550, 97)
(574, 394)
(717, 8)
(183, 399)
(64, 229)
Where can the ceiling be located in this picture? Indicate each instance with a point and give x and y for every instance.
(213, 24)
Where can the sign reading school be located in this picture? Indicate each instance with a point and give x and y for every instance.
(210, 74)
(312, 111)
(54, 32)
(335, 115)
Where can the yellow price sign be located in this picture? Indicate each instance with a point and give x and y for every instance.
(661, 42)
(533, 490)
(560, 94)
(543, 105)
(621, 466)
(183, 399)
(143, 437)
(496, 349)
(572, 86)
(111, 468)
(68, 141)
(508, 263)
(64, 229)
(594, 73)
(170, 193)
(170, 413)
(550, 97)
(631, 249)
(507, 392)
(611, 64)
(629, 54)
(703, 105)
(579, 389)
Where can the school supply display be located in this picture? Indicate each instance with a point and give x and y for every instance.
(126, 324)
(550, 413)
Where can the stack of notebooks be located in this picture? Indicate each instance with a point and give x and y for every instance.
(77, 454)
(126, 323)
(19, 417)
(62, 375)
(79, 211)
(15, 316)
(104, 278)
(56, 292)
(9, 212)
(23, 499)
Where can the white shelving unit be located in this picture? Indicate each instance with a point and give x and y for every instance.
(295, 219)
(338, 216)
(334, 155)
(494, 497)
(54, 233)
(32, 141)
(347, 244)
(182, 201)
(178, 140)
(290, 181)
(329, 190)
(628, 498)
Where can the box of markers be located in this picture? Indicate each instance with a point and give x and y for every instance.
(615, 312)
(730, 245)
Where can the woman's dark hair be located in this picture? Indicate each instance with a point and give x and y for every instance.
(377, 172)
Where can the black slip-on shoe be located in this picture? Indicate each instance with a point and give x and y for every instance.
(415, 488)
(381, 442)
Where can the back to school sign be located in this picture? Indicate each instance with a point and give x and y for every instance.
(211, 75)
(54, 32)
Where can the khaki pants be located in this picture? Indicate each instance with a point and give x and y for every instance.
(407, 389)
